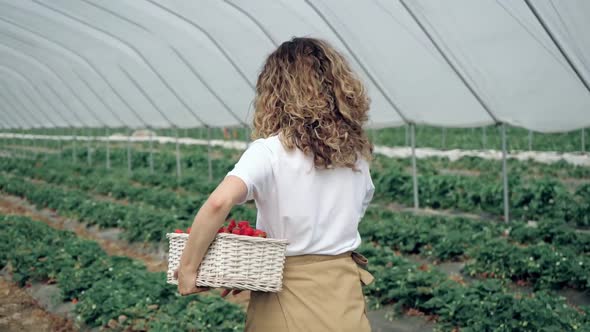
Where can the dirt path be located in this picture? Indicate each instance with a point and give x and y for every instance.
(19, 312)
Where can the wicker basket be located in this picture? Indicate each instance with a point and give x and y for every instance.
(234, 261)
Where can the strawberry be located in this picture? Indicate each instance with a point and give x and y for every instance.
(179, 231)
(188, 230)
(244, 224)
(259, 233)
(236, 231)
(232, 225)
(222, 230)
(74, 301)
(248, 231)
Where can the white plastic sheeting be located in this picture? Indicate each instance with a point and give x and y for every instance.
(188, 63)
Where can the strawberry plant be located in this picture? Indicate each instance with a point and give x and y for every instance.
(107, 288)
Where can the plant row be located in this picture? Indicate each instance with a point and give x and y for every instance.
(542, 256)
(109, 183)
(539, 200)
(140, 223)
(463, 229)
(426, 136)
(486, 305)
(448, 242)
(112, 291)
(442, 238)
(544, 198)
(120, 293)
(463, 138)
(448, 238)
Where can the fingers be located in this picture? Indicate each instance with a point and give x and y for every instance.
(193, 290)
(227, 291)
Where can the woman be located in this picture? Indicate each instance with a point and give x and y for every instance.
(308, 174)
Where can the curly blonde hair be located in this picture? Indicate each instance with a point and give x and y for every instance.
(308, 94)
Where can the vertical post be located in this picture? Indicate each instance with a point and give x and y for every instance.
(18, 144)
(246, 133)
(108, 142)
(74, 156)
(129, 152)
(444, 138)
(505, 175)
(209, 165)
(33, 143)
(178, 166)
(414, 172)
(151, 152)
(407, 135)
(484, 137)
(583, 139)
(59, 144)
(88, 148)
(530, 140)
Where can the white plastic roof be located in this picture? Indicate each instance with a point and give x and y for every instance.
(188, 63)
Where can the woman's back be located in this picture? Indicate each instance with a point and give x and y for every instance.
(317, 210)
(308, 173)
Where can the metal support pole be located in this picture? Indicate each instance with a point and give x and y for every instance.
(583, 139)
(505, 175)
(18, 144)
(88, 148)
(209, 165)
(108, 141)
(407, 135)
(74, 156)
(59, 144)
(33, 143)
(414, 171)
(530, 140)
(129, 152)
(484, 137)
(151, 152)
(444, 138)
(246, 134)
(178, 166)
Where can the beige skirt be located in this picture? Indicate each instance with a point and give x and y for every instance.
(320, 293)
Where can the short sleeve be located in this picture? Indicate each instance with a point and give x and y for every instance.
(255, 169)
(368, 194)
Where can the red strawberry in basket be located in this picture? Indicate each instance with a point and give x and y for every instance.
(244, 224)
(259, 233)
(178, 231)
(188, 230)
(248, 231)
(232, 225)
(236, 231)
(222, 230)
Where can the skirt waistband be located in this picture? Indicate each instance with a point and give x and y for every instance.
(307, 259)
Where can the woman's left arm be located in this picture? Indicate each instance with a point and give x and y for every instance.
(231, 191)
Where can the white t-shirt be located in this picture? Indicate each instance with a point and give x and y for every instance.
(316, 210)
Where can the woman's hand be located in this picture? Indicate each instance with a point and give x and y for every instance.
(187, 282)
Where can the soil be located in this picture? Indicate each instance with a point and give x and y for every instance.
(19, 312)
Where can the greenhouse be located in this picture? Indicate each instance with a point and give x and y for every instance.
(119, 119)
